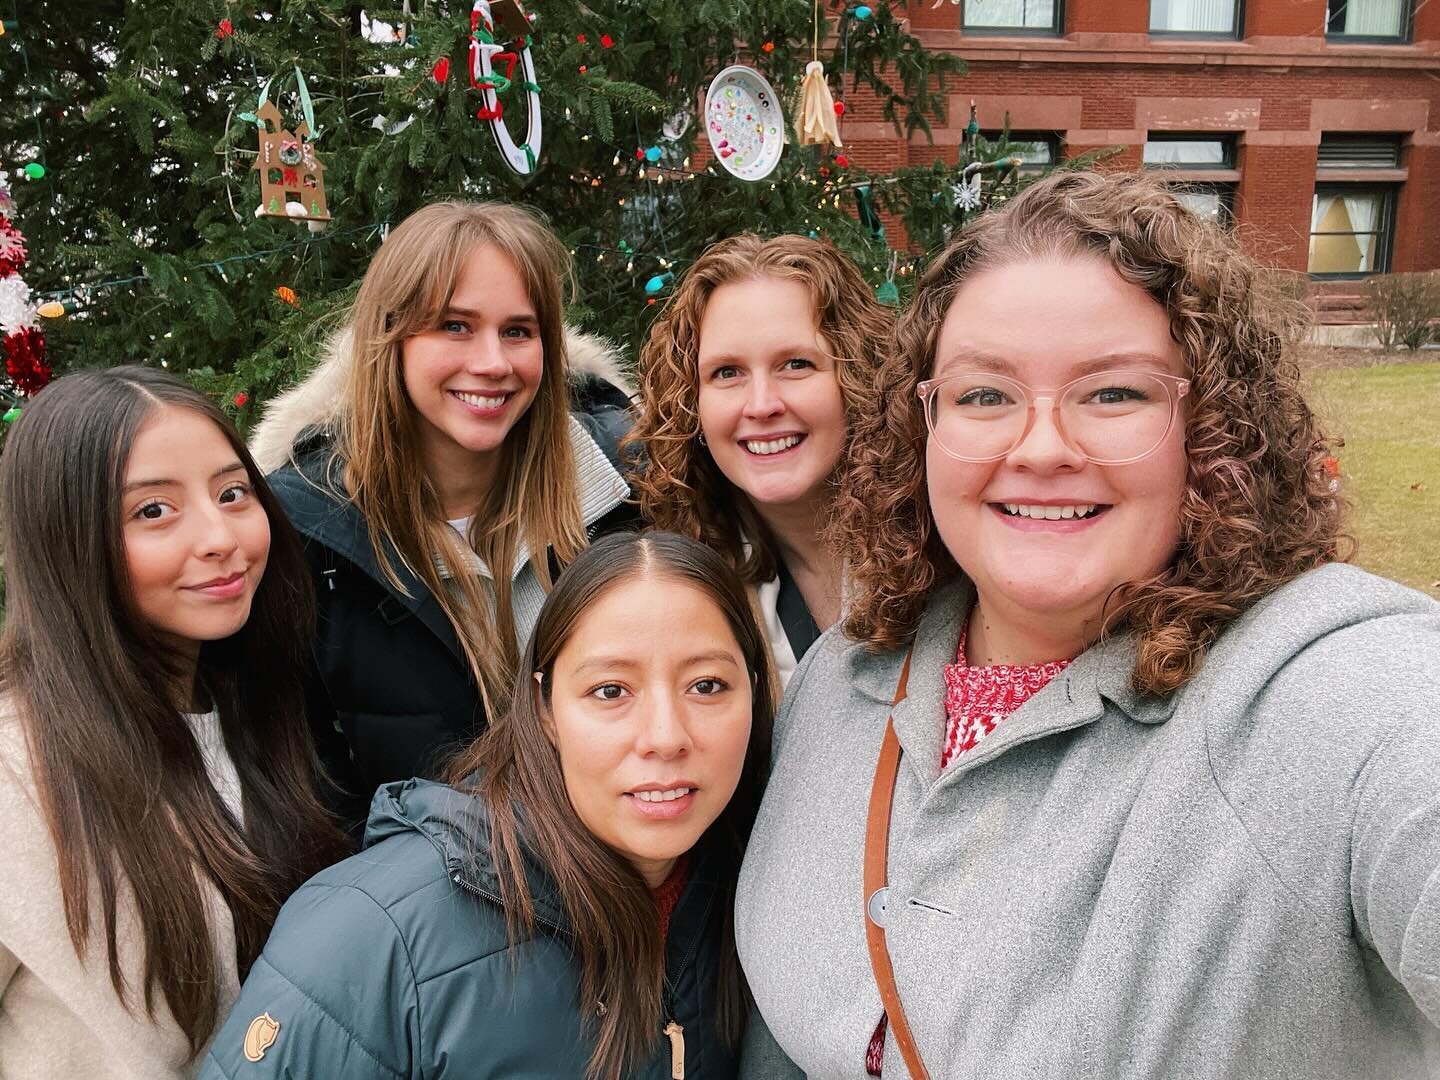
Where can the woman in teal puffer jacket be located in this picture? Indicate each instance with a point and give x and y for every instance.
(564, 908)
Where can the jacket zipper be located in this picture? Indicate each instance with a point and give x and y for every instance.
(677, 1050)
(459, 879)
(672, 1030)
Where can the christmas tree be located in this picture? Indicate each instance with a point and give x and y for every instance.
(147, 120)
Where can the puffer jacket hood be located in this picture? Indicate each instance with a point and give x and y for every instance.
(457, 825)
(315, 401)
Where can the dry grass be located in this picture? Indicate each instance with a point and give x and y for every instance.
(1385, 415)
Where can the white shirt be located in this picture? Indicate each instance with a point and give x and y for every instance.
(219, 766)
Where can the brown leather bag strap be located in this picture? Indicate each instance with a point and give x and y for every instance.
(877, 847)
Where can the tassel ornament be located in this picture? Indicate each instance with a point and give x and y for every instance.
(817, 108)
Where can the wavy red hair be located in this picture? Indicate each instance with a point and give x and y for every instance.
(679, 486)
(1257, 511)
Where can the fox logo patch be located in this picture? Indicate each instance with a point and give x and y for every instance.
(260, 1036)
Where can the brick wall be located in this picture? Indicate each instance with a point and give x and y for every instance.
(1106, 82)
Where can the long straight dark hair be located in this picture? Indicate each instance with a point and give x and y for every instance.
(612, 913)
(120, 778)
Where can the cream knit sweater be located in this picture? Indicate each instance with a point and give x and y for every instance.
(59, 1016)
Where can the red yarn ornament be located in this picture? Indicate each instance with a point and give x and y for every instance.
(441, 71)
(25, 360)
(225, 29)
(241, 399)
(12, 248)
(607, 41)
(839, 108)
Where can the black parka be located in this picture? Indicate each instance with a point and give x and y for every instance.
(394, 964)
(390, 693)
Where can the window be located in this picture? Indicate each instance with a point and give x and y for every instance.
(1368, 20)
(1037, 150)
(1213, 202)
(1350, 229)
(1358, 152)
(1189, 152)
(1193, 156)
(1212, 18)
(1012, 16)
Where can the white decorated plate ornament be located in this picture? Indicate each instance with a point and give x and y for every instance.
(744, 122)
(484, 51)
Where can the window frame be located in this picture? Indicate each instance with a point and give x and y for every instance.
(1384, 233)
(1226, 140)
(1338, 139)
(1236, 33)
(1055, 29)
(1051, 139)
(1405, 37)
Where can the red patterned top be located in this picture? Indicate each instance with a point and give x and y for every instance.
(668, 894)
(976, 700)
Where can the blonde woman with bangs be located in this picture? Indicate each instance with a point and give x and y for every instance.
(750, 383)
(454, 449)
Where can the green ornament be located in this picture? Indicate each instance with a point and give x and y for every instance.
(887, 292)
(11, 415)
(35, 171)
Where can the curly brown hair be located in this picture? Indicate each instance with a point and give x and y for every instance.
(1257, 510)
(678, 485)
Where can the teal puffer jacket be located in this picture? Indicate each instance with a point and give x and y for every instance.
(395, 964)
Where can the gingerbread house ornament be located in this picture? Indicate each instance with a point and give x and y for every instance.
(292, 178)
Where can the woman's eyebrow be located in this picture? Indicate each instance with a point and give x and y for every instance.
(165, 481)
(977, 358)
(471, 313)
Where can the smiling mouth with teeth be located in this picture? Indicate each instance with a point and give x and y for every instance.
(661, 796)
(1052, 513)
(766, 447)
(481, 401)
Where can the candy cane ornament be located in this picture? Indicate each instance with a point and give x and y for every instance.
(484, 51)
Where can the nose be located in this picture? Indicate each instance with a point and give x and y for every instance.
(1044, 447)
(215, 536)
(663, 732)
(486, 357)
(762, 399)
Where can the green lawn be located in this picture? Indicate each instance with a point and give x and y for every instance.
(1389, 419)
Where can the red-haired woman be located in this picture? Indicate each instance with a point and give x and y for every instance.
(1150, 778)
(751, 382)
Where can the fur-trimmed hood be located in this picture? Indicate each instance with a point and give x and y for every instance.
(315, 401)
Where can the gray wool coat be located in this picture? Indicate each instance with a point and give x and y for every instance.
(1240, 880)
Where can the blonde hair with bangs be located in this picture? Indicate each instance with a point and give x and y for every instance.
(535, 499)
(679, 487)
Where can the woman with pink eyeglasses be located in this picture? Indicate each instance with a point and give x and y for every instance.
(1115, 770)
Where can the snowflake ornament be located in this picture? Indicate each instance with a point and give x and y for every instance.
(967, 193)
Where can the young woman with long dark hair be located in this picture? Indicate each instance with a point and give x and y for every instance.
(563, 910)
(157, 785)
(448, 457)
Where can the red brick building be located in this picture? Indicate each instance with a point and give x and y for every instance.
(1313, 126)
